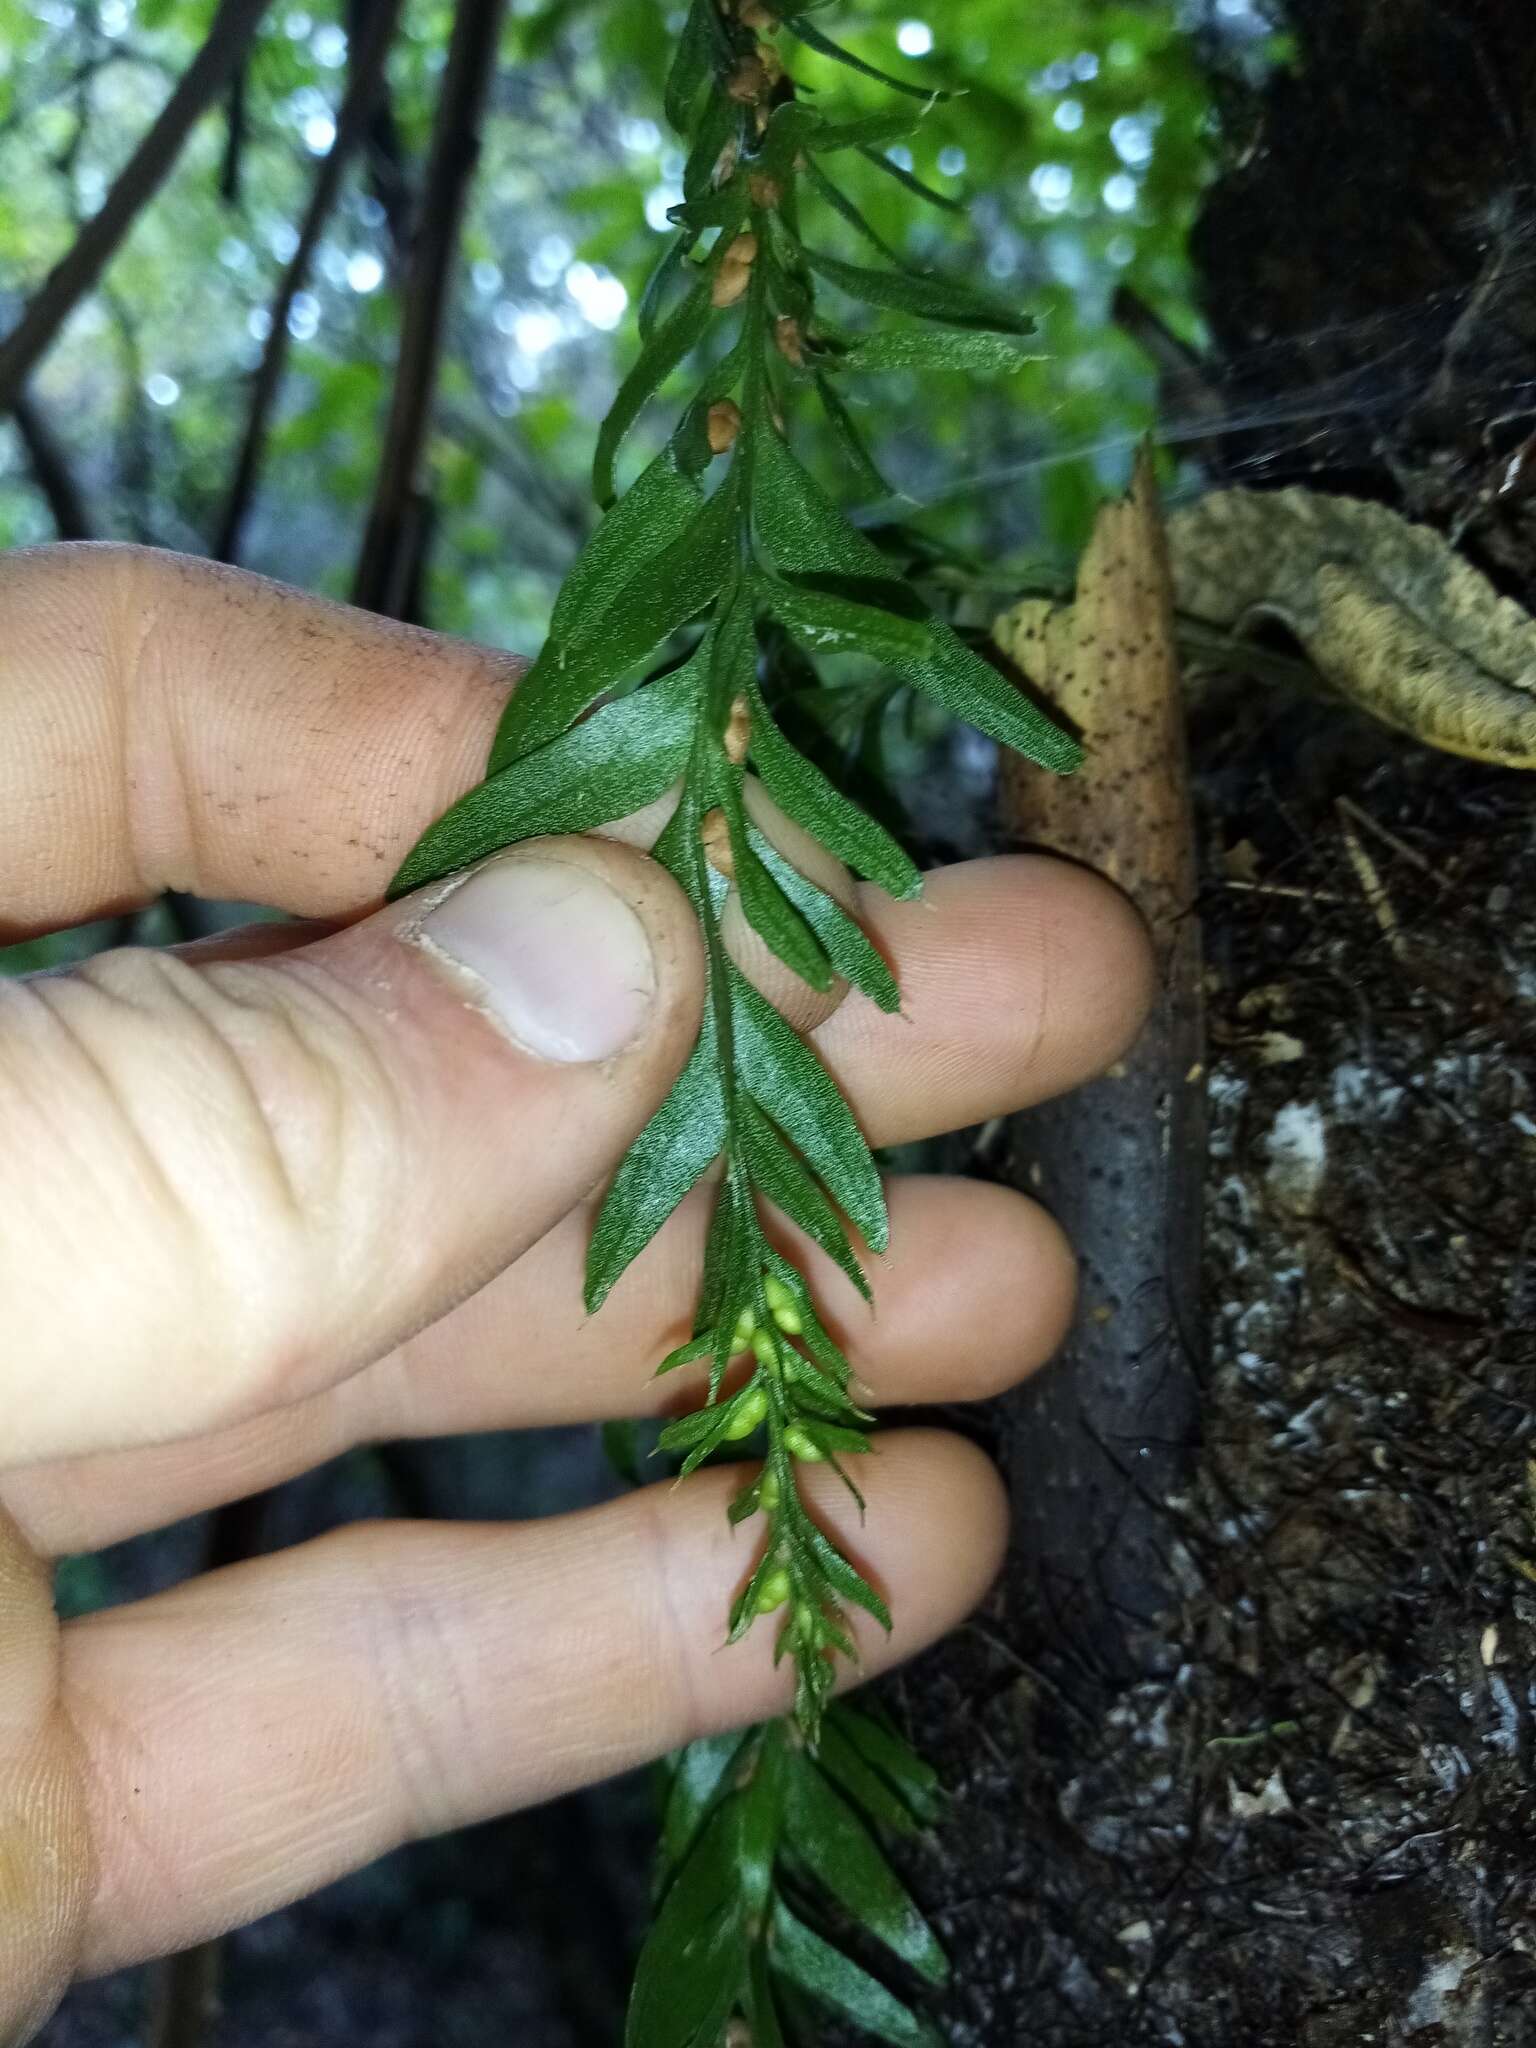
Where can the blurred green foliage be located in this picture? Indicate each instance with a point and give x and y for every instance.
(1076, 147)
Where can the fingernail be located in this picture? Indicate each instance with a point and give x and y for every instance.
(563, 962)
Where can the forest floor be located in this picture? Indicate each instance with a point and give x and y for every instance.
(1313, 1823)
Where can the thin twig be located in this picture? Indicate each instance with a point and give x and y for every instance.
(357, 107)
(1361, 816)
(141, 177)
(1368, 875)
(391, 552)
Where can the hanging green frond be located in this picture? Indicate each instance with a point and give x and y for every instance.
(650, 683)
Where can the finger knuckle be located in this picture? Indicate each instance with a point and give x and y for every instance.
(231, 1124)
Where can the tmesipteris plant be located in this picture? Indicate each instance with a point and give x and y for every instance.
(724, 537)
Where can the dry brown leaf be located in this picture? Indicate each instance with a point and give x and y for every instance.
(1391, 616)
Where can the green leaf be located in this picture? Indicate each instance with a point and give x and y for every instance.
(691, 64)
(781, 1175)
(830, 1839)
(675, 337)
(718, 126)
(846, 945)
(691, 1966)
(932, 658)
(911, 181)
(863, 1784)
(762, 1818)
(971, 689)
(931, 298)
(872, 484)
(806, 32)
(841, 204)
(671, 1155)
(665, 592)
(803, 793)
(842, 1578)
(769, 909)
(837, 1982)
(785, 1078)
(658, 285)
(686, 1354)
(656, 508)
(762, 2009)
(885, 1750)
(867, 131)
(616, 761)
(799, 524)
(701, 1775)
(914, 349)
(826, 623)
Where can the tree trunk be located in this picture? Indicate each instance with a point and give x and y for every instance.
(1308, 1824)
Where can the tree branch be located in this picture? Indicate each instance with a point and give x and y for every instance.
(352, 123)
(389, 562)
(141, 177)
(51, 471)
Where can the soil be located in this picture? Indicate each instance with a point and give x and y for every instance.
(1311, 1820)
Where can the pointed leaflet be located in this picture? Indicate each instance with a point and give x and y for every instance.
(785, 1078)
(911, 181)
(671, 1155)
(858, 1779)
(807, 33)
(829, 1838)
(690, 65)
(932, 298)
(660, 505)
(885, 1751)
(613, 763)
(658, 286)
(690, 1968)
(663, 594)
(840, 203)
(803, 530)
(846, 944)
(838, 1983)
(967, 350)
(807, 535)
(701, 1773)
(761, 2006)
(781, 1175)
(841, 1576)
(669, 342)
(866, 131)
(939, 664)
(800, 789)
(768, 908)
(851, 439)
(656, 508)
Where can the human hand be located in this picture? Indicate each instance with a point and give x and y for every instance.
(267, 1198)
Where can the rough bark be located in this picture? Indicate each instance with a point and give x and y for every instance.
(1101, 1440)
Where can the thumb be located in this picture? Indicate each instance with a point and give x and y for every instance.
(226, 1185)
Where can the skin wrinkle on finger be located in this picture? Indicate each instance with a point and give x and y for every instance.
(270, 1764)
(174, 723)
(975, 1294)
(403, 1118)
(47, 1861)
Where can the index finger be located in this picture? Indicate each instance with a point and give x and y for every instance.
(172, 724)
